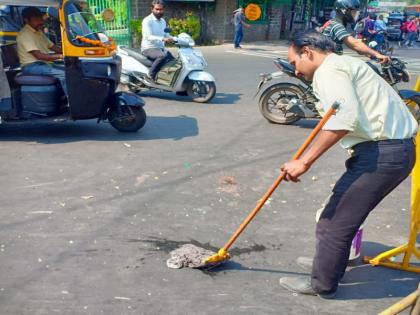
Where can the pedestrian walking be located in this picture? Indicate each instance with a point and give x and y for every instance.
(239, 23)
(411, 28)
(374, 124)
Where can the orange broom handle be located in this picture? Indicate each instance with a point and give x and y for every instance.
(273, 187)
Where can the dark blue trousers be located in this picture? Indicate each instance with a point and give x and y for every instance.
(372, 172)
(239, 34)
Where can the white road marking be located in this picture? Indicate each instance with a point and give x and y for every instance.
(413, 64)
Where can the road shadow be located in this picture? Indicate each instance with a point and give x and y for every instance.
(361, 281)
(226, 98)
(157, 127)
(368, 282)
(235, 266)
(262, 50)
(219, 98)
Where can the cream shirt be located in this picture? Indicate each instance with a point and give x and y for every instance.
(29, 40)
(370, 108)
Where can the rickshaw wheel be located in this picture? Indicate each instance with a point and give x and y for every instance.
(127, 119)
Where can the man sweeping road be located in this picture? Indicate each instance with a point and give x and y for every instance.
(374, 124)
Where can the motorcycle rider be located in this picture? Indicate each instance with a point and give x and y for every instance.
(347, 12)
(380, 29)
(154, 39)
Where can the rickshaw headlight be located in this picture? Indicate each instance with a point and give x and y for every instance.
(108, 70)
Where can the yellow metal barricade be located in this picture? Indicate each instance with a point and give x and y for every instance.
(408, 250)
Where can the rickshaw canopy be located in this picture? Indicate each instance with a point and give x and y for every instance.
(32, 3)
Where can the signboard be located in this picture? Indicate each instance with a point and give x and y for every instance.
(392, 4)
(373, 4)
(253, 12)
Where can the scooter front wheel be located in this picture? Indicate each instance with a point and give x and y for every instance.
(127, 118)
(201, 91)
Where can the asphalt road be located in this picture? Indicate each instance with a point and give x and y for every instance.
(88, 215)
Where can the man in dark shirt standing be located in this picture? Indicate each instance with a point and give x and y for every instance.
(239, 22)
(347, 12)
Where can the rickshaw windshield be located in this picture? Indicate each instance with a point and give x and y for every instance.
(81, 21)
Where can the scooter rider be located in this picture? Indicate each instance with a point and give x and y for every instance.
(154, 38)
(347, 12)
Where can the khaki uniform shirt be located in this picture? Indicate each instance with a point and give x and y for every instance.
(29, 40)
(370, 109)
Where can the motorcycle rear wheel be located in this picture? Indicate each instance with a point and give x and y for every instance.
(275, 99)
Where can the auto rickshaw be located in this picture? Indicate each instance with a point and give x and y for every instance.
(92, 71)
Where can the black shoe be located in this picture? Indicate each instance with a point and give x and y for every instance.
(302, 285)
(305, 263)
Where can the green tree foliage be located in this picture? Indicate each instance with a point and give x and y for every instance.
(190, 24)
(135, 27)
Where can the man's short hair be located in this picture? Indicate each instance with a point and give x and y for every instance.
(314, 40)
(156, 2)
(31, 12)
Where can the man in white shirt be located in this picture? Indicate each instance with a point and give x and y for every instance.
(374, 124)
(154, 38)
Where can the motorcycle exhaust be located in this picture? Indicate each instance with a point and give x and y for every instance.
(296, 107)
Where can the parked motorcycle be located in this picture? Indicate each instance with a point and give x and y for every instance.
(184, 75)
(286, 102)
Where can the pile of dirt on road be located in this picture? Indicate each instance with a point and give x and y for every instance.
(189, 255)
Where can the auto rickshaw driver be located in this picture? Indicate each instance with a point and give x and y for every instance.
(33, 48)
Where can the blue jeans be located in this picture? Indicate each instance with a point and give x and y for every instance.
(373, 171)
(43, 68)
(239, 34)
(380, 39)
(411, 37)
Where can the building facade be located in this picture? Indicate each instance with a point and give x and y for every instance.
(216, 17)
(277, 19)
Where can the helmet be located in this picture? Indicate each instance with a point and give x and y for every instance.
(347, 5)
(347, 10)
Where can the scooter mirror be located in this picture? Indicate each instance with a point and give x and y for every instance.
(52, 12)
(168, 30)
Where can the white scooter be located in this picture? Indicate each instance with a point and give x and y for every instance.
(191, 79)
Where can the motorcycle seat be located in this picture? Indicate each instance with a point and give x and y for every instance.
(136, 54)
(409, 94)
(33, 79)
